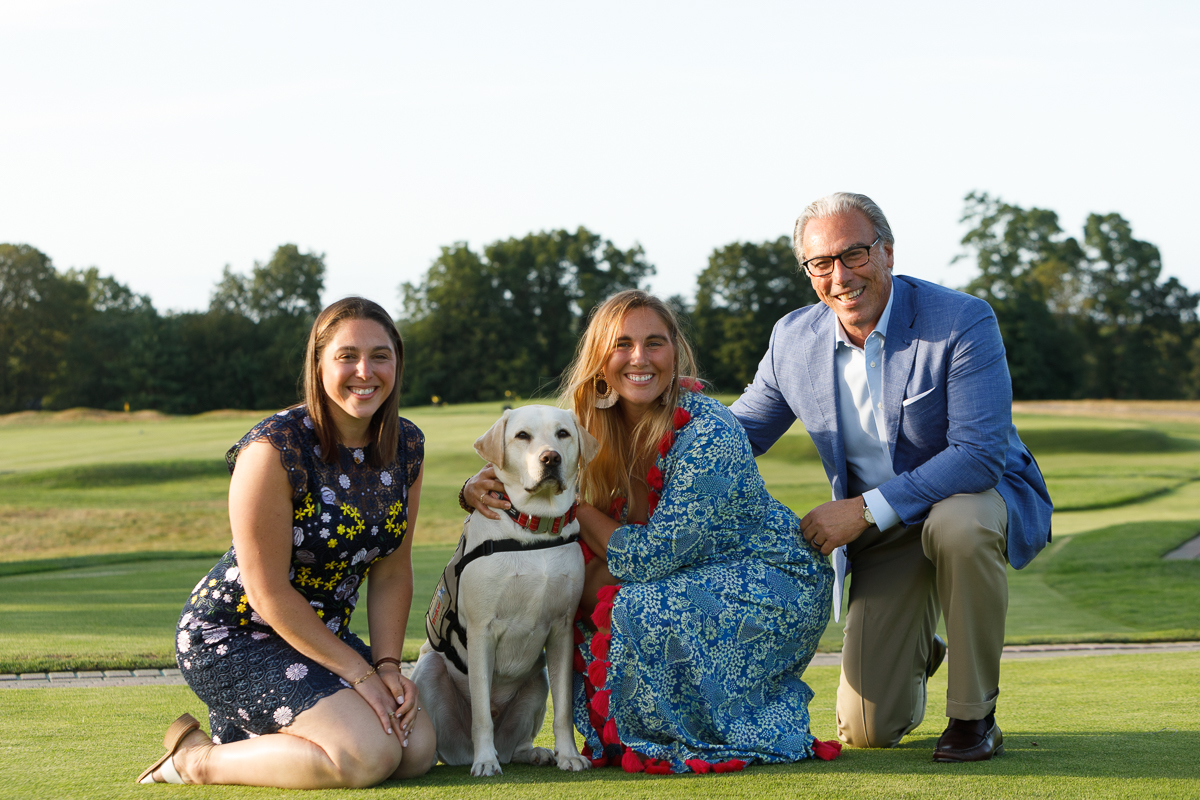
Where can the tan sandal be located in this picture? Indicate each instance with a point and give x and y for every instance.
(174, 737)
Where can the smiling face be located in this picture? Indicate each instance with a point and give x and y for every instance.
(858, 296)
(642, 362)
(358, 372)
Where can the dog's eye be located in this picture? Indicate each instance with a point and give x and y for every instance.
(524, 435)
(563, 433)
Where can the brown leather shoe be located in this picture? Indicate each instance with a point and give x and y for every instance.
(969, 740)
(937, 654)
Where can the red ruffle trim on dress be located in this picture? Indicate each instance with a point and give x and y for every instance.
(827, 751)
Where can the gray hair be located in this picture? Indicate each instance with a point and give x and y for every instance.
(840, 203)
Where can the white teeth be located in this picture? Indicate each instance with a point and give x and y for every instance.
(848, 296)
(361, 392)
(640, 378)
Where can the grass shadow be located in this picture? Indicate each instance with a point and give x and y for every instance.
(91, 476)
(1046, 441)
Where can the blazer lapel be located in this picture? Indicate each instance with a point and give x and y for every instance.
(899, 351)
(822, 378)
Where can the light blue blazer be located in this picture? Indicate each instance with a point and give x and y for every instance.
(947, 408)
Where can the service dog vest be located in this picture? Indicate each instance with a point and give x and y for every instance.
(441, 621)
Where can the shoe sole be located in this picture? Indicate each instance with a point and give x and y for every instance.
(176, 733)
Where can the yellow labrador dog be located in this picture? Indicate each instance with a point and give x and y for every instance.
(504, 609)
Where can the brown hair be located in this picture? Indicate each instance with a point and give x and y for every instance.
(611, 471)
(384, 430)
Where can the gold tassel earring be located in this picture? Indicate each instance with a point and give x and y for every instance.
(606, 398)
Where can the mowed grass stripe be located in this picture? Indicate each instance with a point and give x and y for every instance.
(1100, 727)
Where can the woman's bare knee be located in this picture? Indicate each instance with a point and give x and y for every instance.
(360, 764)
(421, 753)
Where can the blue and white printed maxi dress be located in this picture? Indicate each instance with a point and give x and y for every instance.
(719, 612)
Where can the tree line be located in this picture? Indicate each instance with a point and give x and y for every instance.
(1081, 317)
(77, 338)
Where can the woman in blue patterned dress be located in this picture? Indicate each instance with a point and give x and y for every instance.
(320, 494)
(705, 603)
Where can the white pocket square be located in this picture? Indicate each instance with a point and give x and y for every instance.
(915, 398)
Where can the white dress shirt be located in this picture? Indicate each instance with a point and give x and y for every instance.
(860, 416)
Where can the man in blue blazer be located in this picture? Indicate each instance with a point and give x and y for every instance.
(904, 388)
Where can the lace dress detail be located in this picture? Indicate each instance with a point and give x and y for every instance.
(346, 516)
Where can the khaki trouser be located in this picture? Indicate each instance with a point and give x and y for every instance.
(902, 579)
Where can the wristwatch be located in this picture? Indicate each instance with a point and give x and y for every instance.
(867, 513)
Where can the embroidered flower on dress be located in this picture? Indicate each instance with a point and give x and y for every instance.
(222, 649)
(334, 624)
(232, 574)
(358, 455)
(254, 617)
(216, 740)
(324, 533)
(215, 635)
(183, 642)
(296, 672)
(325, 517)
(327, 496)
(258, 636)
(344, 480)
(385, 478)
(317, 450)
(297, 536)
(308, 423)
(242, 713)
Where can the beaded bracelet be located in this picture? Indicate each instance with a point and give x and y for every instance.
(363, 678)
(387, 660)
(462, 498)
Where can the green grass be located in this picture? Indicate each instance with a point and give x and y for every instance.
(1100, 727)
(121, 614)
(1106, 585)
(83, 532)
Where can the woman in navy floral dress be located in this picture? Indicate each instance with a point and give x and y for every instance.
(704, 605)
(320, 494)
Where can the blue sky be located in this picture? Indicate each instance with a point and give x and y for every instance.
(161, 141)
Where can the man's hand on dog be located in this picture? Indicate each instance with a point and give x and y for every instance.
(478, 491)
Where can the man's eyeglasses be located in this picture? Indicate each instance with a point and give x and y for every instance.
(821, 266)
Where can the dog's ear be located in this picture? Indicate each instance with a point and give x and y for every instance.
(490, 446)
(588, 445)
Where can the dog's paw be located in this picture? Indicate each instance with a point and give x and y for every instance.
(486, 768)
(539, 757)
(573, 763)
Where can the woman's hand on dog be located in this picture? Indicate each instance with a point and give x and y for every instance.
(404, 692)
(477, 493)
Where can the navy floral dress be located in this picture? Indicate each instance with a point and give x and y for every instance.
(719, 611)
(346, 516)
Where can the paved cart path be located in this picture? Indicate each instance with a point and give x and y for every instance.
(172, 677)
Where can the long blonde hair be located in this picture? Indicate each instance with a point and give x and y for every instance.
(621, 450)
(384, 430)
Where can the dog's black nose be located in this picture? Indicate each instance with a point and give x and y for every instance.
(551, 458)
